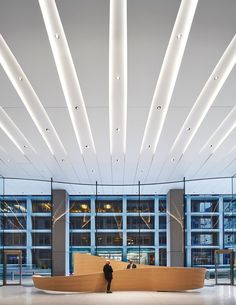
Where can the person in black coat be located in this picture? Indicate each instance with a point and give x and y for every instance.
(131, 265)
(107, 270)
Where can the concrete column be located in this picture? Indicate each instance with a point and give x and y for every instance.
(221, 226)
(28, 234)
(188, 227)
(60, 233)
(175, 237)
(156, 226)
(124, 234)
(93, 226)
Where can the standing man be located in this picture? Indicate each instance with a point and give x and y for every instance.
(131, 265)
(107, 269)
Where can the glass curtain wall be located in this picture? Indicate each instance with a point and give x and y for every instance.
(26, 227)
(234, 221)
(210, 223)
(1, 228)
(122, 223)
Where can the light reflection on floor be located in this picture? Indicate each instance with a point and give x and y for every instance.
(210, 295)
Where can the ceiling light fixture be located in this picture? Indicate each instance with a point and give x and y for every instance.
(168, 74)
(118, 63)
(29, 97)
(206, 98)
(221, 133)
(13, 132)
(67, 74)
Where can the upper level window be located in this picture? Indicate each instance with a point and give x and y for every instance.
(204, 206)
(14, 223)
(162, 205)
(80, 206)
(39, 223)
(41, 206)
(143, 206)
(109, 206)
(14, 206)
(230, 205)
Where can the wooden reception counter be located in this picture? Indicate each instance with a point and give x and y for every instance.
(89, 277)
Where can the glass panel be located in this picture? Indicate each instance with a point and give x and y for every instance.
(162, 222)
(234, 226)
(15, 223)
(41, 259)
(109, 222)
(13, 268)
(204, 258)
(144, 206)
(162, 238)
(41, 223)
(142, 222)
(41, 239)
(80, 222)
(162, 205)
(143, 256)
(162, 257)
(14, 239)
(80, 206)
(142, 239)
(80, 239)
(205, 222)
(27, 224)
(224, 271)
(41, 206)
(206, 238)
(204, 206)
(115, 254)
(108, 206)
(1, 228)
(109, 239)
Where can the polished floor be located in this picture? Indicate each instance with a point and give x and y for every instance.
(211, 295)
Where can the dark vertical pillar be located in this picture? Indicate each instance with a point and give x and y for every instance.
(60, 232)
(175, 228)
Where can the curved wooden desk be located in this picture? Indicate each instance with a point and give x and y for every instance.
(89, 277)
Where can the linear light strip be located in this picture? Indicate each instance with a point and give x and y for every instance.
(67, 74)
(118, 77)
(221, 133)
(206, 97)
(13, 132)
(168, 75)
(28, 96)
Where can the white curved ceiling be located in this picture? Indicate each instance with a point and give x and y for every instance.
(149, 27)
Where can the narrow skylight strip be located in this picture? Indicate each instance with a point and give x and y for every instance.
(221, 133)
(67, 74)
(206, 98)
(13, 132)
(28, 97)
(118, 77)
(168, 75)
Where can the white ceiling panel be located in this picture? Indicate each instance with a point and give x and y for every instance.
(149, 27)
